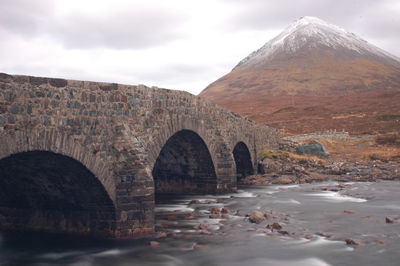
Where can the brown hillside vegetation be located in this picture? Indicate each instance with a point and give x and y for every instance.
(362, 113)
(361, 150)
(360, 96)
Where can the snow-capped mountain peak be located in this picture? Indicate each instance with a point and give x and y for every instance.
(311, 33)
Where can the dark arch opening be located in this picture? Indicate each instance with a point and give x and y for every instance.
(184, 166)
(45, 191)
(244, 166)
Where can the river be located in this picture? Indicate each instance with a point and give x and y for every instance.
(316, 220)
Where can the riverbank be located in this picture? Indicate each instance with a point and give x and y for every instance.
(351, 158)
(292, 171)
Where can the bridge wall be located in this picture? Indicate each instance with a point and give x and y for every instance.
(117, 132)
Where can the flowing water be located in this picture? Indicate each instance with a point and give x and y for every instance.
(314, 230)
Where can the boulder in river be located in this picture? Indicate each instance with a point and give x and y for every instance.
(275, 226)
(215, 211)
(256, 217)
(354, 241)
(226, 210)
(389, 220)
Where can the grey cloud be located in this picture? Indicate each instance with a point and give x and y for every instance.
(382, 32)
(176, 71)
(258, 14)
(24, 16)
(130, 29)
(385, 26)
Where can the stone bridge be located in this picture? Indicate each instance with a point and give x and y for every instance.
(89, 158)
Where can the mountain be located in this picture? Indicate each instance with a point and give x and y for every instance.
(314, 76)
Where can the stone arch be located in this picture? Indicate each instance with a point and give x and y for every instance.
(45, 191)
(184, 166)
(173, 126)
(54, 140)
(219, 152)
(65, 188)
(243, 161)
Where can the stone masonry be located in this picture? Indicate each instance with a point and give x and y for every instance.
(117, 132)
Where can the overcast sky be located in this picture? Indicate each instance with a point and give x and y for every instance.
(175, 44)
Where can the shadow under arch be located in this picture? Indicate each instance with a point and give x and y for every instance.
(244, 166)
(47, 191)
(184, 166)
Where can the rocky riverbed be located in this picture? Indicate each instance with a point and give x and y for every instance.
(328, 223)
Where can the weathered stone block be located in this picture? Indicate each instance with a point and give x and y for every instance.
(58, 83)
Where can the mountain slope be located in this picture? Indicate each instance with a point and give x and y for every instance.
(310, 74)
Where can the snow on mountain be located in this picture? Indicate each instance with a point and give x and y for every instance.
(312, 77)
(309, 33)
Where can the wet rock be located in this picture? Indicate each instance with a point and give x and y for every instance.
(382, 242)
(226, 210)
(221, 200)
(354, 241)
(256, 217)
(282, 232)
(202, 227)
(323, 234)
(225, 216)
(215, 211)
(313, 176)
(205, 232)
(389, 220)
(238, 213)
(194, 202)
(275, 226)
(284, 180)
(350, 211)
(154, 244)
(214, 216)
(333, 189)
(189, 217)
(267, 216)
(224, 222)
(197, 246)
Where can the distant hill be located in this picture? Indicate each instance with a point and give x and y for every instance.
(314, 76)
